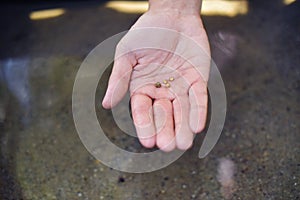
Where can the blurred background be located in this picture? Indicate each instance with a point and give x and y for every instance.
(256, 45)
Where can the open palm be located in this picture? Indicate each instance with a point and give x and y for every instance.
(168, 90)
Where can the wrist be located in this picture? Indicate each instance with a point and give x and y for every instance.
(178, 7)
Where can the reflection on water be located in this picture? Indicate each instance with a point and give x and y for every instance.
(15, 76)
(46, 14)
(224, 47)
(209, 8)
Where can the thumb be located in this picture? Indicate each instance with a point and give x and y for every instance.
(119, 81)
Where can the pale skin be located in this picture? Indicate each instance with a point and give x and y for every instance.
(166, 117)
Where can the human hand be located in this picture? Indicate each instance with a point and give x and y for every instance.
(167, 115)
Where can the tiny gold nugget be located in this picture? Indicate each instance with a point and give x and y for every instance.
(157, 84)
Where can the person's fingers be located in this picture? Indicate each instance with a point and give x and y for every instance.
(198, 106)
(142, 114)
(183, 133)
(118, 82)
(163, 118)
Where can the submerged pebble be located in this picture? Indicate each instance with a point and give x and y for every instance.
(225, 176)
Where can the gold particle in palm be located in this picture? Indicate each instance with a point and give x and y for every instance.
(157, 84)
